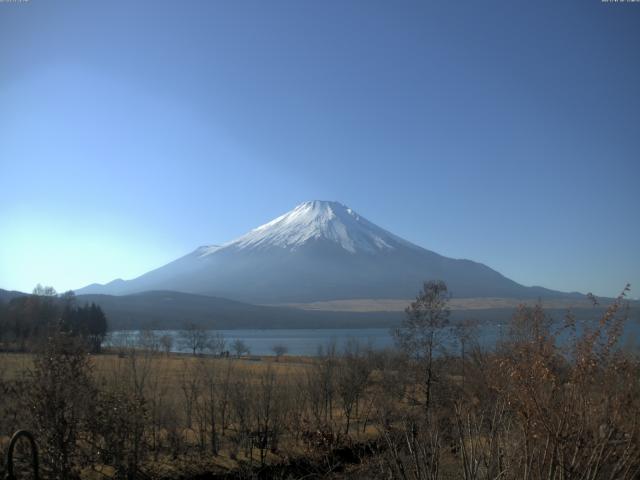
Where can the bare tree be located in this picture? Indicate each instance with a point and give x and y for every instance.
(465, 332)
(41, 291)
(353, 373)
(242, 405)
(194, 337)
(166, 342)
(209, 379)
(216, 344)
(240, 347)
(320, 383)
(190, 386)
(279, 350)
(268, 413)
(148, 340)
(420, 332)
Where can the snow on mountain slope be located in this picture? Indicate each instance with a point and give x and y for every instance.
(207, 250)
(318, 220)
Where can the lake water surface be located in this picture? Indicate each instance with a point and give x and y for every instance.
(297, 341)
(307, 341)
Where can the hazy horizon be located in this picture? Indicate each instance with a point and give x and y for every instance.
(132, 133)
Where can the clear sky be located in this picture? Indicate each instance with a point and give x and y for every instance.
(506, 132)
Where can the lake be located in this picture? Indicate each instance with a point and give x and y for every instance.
(297, 341)
(307, 341)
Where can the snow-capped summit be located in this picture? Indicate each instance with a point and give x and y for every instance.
(315, 221)
(320, 250)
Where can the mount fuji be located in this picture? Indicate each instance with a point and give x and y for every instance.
(319, 251)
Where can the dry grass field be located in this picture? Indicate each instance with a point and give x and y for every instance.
(174, 388)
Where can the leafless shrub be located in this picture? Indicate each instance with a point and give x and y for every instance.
(60, 393)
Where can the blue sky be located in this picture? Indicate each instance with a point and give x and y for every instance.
(505, 132)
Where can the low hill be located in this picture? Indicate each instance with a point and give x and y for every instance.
(171, 310)
(8, 295)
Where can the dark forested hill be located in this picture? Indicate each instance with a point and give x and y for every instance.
(7, 295)
(165, 309)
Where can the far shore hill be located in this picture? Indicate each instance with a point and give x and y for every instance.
(479, 303)
(161, 310)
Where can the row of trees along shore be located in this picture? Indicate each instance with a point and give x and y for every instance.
(549, 401)
(192, 338)
(27, 322)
